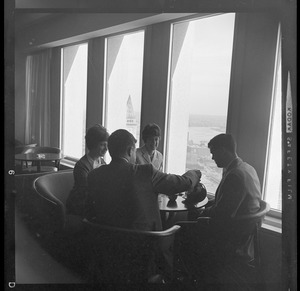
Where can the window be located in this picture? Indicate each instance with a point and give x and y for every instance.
(123, 85)
(200, 68)
(272, 192)
(73, 100)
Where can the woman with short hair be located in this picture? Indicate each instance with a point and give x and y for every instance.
(148, 153)
(96, 143)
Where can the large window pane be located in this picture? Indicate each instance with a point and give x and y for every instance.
(273, 179)
(199, 88)
(123, 87)
(74, 86)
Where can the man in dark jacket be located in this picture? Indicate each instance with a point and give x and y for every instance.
(123, 194)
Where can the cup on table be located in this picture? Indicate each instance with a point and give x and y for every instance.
(41, 156)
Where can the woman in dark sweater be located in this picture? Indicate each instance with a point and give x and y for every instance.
(96, 143)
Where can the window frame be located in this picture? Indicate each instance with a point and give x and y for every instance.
(105, 60)
(147, 46)
(274, 213)
(68, 160)
(168, 97)
(273, 219)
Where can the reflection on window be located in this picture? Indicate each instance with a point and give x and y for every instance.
(123, 87)
(273, 180)
(199, 89)
(73, 101)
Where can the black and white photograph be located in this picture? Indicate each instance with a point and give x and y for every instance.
(150, 145)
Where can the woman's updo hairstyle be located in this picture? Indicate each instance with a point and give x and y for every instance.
(95, 135)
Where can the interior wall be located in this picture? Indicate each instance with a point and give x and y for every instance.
(251, 86)
(271, 260)
(65, 28)
(62, 29)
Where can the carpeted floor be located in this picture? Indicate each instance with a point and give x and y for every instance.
(33, 265)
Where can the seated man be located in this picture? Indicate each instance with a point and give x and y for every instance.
(124, 194)
(239, 193)
(239, 190)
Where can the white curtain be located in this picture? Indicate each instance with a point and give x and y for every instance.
(37, 124)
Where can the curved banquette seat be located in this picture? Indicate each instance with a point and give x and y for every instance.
(53, 190)
(103, 253)
(55, 187)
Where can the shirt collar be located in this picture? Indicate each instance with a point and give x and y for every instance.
(94, 163)
(118, 159)
(231, 163)
(144, 150)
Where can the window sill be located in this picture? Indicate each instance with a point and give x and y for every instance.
(68, 163)
(272, 224)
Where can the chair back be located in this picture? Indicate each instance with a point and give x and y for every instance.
(249, 224)
(253, 224)
(54, 189)
(243, 231)
(20, 149)
(124, 255)
(232, 239)
(41, 150)
(55, 186)
(236, 231)
(264, 208)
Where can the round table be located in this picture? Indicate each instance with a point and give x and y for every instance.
(38, 158)
(166, 205)
(169, 208)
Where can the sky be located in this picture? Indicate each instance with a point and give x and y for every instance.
(209, 43)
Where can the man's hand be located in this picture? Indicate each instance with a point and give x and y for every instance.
(197, 172)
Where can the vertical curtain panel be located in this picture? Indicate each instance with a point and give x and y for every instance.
(38, 122)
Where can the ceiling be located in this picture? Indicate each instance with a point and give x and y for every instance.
(23, 20)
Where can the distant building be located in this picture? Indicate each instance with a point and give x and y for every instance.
(131, 121)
